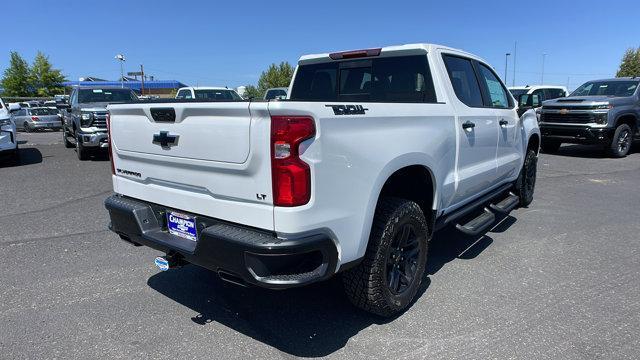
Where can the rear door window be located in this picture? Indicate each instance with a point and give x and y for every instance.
(464, 80)
(389, 79)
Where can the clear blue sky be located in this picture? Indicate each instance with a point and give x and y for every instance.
(231, 42)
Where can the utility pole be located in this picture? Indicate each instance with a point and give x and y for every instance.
(515, 55)
(120, 57)
(506, 65)
(544, 55)
(142, 79)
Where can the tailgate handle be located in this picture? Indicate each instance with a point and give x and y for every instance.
(163, 114)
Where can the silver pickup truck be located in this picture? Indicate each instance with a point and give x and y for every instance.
(85, 122)
(603, 112)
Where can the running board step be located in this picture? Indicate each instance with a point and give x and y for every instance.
(479, 224)
(506, 205)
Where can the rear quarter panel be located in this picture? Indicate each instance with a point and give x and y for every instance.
(352, 156)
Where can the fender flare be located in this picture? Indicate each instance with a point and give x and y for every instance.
(396, 164)
(529, 121)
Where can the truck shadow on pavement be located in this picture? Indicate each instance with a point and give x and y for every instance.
(312, 321)
(27, 156)
(590, 151)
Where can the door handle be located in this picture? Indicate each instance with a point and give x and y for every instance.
(468, 125)
(504, 123)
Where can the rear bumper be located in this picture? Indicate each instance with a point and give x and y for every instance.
(45, 124)
(244, 254)
(97, 139)
(576, 134)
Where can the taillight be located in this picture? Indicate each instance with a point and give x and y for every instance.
(35, 118)
(355, 54)
(290, 175)
(113, 168)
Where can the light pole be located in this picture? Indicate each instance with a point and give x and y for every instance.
(544, 55)
(515, 57)
(120, 57)
(506, 64)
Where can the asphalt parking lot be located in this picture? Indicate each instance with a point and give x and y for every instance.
(560, 279)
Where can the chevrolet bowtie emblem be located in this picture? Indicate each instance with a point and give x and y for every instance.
(564, 111)
(165, 140)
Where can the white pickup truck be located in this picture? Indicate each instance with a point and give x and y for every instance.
(372, 151)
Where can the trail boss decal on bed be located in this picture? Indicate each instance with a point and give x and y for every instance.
(348, 109)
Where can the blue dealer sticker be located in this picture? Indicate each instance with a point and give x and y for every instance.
(162, 263)
(182, 225)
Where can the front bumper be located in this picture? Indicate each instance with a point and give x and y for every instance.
(576, 134)
(8, 141)
(236, 252)
(95, 139)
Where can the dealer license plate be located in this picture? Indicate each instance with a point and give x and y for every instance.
(182, 225)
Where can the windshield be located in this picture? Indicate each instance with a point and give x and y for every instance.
(217, 95)
(105, 95)
(44, 111)
(607, 88)
(517, 92)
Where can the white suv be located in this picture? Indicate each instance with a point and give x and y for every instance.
(531, 97)
(372, 152)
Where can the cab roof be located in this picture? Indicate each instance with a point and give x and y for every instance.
(418, 47)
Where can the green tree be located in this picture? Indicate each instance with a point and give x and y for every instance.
(630, 64)
(252, 92)
(15, 80)
(275, 76)
(43, 78)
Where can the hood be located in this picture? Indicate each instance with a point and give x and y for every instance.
(588, 101)
(579, 101)
(584, 99)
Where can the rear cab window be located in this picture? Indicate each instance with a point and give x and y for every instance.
(393, 79)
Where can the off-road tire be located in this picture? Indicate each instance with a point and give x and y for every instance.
(525, 185)
(550, 147)
(621, 142)
(367, 285)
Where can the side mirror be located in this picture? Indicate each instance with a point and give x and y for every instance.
(530, 101)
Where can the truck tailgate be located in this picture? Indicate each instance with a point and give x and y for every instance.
(210, 158)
